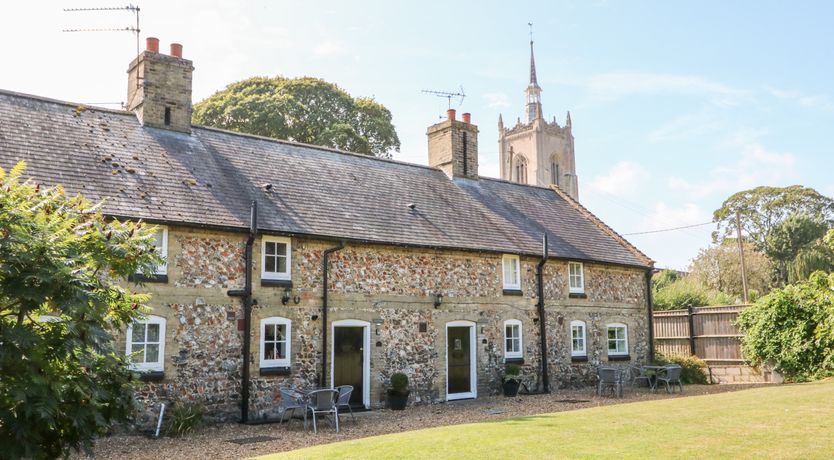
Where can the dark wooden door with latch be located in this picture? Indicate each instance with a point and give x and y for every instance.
(460, 365)
(348, 360)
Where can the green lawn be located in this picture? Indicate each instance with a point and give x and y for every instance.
(788, 421)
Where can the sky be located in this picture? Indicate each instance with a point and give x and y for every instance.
(675, 105)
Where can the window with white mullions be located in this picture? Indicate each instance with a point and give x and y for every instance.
(577, 336)
(275, 342)
(512, 339)
(146, 344)
(275, 258)
(576, 278)
(617, 339)
(512, 277)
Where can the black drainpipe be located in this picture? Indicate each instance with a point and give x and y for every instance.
(542, 319)
(649, 308)
(325, 259)
(246, 295)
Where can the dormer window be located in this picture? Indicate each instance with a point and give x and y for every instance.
(576, 278)
(512, 276)
(276, 255)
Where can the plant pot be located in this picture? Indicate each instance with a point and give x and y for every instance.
(398, 400)
(511, 388)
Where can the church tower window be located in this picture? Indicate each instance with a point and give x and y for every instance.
(521, 170)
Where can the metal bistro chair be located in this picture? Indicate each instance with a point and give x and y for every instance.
(639, 373)
(610, 377)
(671, 375)
(345, 391)
(290, 401)
(323, 402)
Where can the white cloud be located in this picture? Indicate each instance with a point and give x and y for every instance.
(330, 48)
(812, 101)
(755, 165)
(624, 178)
(664, 216)
(615, 85)
(686, 127)
(497, 100)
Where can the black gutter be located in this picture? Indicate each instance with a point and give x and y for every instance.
(649, 308)
(246, 295)
(542, 319)
(325, 259)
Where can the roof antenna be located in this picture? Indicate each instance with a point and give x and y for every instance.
(132, 29)
(448, 95)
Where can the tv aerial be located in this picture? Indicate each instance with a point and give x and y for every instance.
(133, 28)
(448, 95)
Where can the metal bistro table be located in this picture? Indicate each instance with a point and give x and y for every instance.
(653, 372)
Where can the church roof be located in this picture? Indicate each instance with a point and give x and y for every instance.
(209, 177)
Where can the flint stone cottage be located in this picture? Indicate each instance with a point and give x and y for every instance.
(325, 267)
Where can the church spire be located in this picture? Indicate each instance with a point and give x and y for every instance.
(534, 102)
(533, 80)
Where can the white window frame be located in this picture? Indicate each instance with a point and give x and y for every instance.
(576, 289)
(162, 269)
(584, 351)
(624, 339)
(520, 352)
(511, 286)
(284, 362)
(281, 276)
(158, 365)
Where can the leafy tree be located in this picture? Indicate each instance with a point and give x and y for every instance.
(665, 278)
(792, 329)
(762, 208)
(797, 248)
(718, 268)
(685, 292)
(62, 382)
(307, 110)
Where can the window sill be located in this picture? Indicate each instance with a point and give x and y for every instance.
(513, 292)
(276, 283)
(579, 359)
(577, 295)
(277, 370)
(619, 358)
(514, 360)
(140, 278)
(151, 376)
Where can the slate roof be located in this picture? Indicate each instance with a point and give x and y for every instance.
(209, 178)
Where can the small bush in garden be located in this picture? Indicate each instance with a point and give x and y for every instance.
(183, 418)
(692, 367)
(399, 382)
(512, 372)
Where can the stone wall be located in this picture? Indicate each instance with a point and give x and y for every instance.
(391, 290)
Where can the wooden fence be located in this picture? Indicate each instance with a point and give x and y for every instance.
(707, 332)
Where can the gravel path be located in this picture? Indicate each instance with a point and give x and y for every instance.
(213, 442)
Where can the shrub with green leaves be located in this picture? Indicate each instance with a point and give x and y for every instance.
(512, 372)
(399, 382)
(62, 381)
(792, 329)
(692, 367)
(686, 291)
(183, 418)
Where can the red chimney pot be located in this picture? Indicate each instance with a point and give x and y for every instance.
(176, 50)
(467, 118)
(451, 114)
(152, 44)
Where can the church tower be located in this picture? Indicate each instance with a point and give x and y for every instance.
(538, 152)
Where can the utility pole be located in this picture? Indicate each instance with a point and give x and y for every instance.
(741, 254)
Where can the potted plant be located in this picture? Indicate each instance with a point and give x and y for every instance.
(398, 393)
(512, 379)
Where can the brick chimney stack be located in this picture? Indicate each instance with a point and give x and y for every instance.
(453, 146)
(159, 88)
